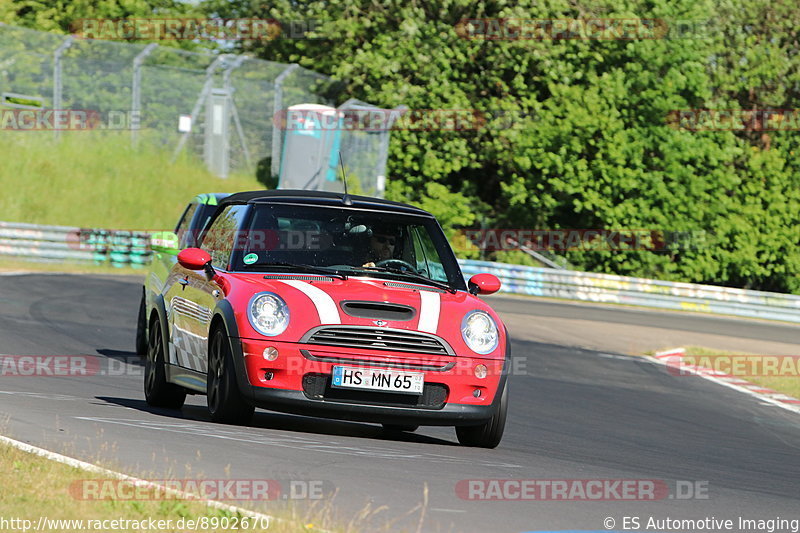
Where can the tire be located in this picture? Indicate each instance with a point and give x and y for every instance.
(141, 329)
(487, 435)
(400, 427)
(157, 390)
(225, 402)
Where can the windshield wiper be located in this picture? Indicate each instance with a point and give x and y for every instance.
(414, 276)
(311, 269)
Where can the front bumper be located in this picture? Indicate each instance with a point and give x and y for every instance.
(298, 381)
(290, 401)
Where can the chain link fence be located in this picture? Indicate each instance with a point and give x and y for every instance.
(222, 107)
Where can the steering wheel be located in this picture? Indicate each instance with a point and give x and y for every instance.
(400, 262)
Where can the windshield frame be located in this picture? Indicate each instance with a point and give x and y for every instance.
(452, 270)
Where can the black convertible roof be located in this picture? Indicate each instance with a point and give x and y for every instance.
(320, 198)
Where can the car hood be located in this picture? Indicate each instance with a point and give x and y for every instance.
(315, 300)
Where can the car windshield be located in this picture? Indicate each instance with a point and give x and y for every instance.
(346, 241)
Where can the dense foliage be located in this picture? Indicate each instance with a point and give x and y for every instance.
(585, 133)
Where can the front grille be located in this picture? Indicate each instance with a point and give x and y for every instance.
(388, 339)
(318, 387)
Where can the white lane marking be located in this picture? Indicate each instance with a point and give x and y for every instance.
(430, 302)
(441, 510)
(326, 307)
(88, 467)
(296, 442)
(623, 357)
(40, 395)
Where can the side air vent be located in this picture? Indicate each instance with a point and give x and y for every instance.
(399, 285)
(378, 310)
(299, 277)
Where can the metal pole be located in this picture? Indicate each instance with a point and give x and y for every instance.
(240, 132)
(200, 99)
(533, 253)
(136, 92)
(276, 108)
(57, 87)
(230, 90)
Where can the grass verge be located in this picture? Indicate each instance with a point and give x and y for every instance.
(779, 373)
(97, 180)
(774, 372)
(50, 489)
(42, 488)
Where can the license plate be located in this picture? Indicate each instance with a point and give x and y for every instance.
(347, 377)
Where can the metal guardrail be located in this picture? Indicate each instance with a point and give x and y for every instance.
(126, 248)
(64, 243)
(607, 288)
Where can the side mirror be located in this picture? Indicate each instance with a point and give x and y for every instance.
(484, 284)
(194, 258)
(165, 242)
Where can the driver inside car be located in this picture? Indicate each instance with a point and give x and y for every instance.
(381, 247)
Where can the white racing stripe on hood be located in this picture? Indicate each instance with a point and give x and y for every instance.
(326, 307)
(429, 311)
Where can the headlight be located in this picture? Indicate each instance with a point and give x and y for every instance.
(268, 314)
(479, 332)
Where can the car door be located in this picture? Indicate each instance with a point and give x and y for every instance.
(189, 302)
(192, 296)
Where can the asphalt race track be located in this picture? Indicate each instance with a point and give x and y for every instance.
(575, 414)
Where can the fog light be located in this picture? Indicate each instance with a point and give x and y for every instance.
(270, 353)
(476, 393)
(480, 371)
(268, 376)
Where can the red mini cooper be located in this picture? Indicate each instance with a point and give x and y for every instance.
(329, 305)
